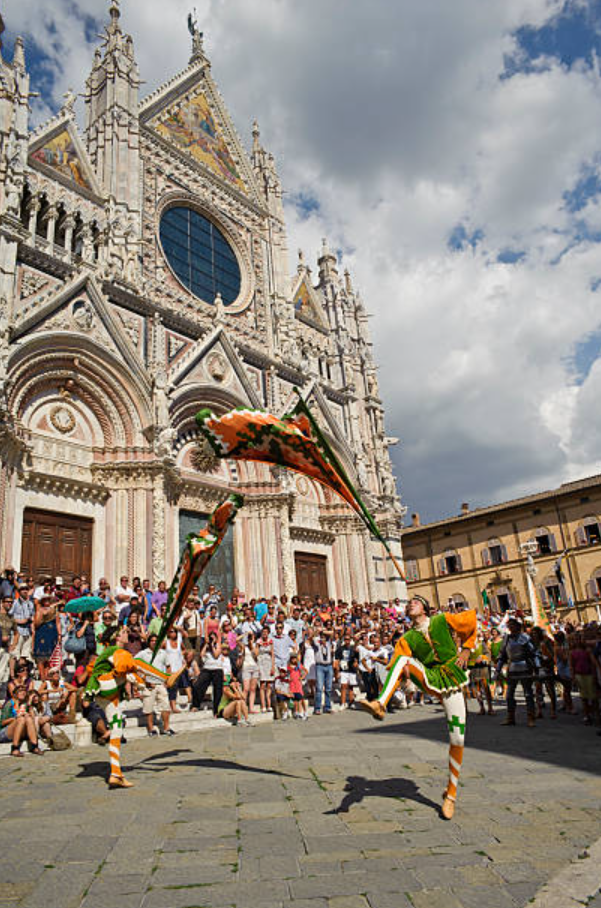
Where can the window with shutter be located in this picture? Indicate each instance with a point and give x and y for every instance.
(458, 563)
(504, 553)
(552, 542)
(581, 536)
(592, 589)
(591, 530)
(442, 566)
(542, 594)
(485, 557)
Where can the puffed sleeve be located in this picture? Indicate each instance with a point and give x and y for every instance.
(465, 625)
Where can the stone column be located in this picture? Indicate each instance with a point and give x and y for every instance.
(159, 513)
(69, 227)
(33, 208)
(288, 569)
(51, 217)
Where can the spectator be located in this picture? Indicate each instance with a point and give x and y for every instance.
(212, 624)
(46, 633)
(136, 637)
(211, 674)
(123, 593)
(296, 672)
(174, 659)
(583, 669)
(104, 591)
(75, 590)
(157, 601)
(518, 653)
(250, 671)
(17, 724)
(345, 668)
(8, 637)
(266, 664)
(156, 624)
(232, 705)
(155, 697)
(324, 673)
(191, 623)
(8, 585)
(22, 611)
(212, 597)
(281, 647)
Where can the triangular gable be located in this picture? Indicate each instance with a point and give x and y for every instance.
(307, 306)
(320, 407)
(59, 152)
(189, 114)
(80, 308)
(214, 360)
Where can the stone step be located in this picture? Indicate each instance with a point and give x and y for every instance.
(184, 722)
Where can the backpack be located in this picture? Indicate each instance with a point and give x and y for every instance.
(60, 740)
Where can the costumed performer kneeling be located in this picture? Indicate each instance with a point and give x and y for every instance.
(428, 654)
(113, 668)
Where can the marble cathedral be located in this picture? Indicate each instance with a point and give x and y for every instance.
(144, 274)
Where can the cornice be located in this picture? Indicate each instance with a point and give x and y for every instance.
(68, 488)
(312, 535)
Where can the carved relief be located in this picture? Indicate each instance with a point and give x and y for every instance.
(83, 315)
(32, 282)
(62, 419)
(133, 326)
(218, 367)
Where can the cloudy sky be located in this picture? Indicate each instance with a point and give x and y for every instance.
(452, 153)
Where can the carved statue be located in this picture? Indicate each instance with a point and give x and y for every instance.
(70, 99)
(161, 400)
(163, 446)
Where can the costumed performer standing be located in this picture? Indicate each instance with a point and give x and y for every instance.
(428, 654)
(112, 669)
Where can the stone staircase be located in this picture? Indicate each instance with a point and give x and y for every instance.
(81, 732)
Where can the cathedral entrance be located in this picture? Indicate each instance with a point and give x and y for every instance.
(221, 569)
(311, 574)
(56, 545)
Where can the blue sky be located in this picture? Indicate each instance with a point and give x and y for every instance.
(453, 153)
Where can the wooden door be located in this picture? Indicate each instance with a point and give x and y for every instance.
(311, 574)
(56, 545)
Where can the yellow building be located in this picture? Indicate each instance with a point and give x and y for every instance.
(484, 550)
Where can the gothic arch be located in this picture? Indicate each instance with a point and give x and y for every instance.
(119, 403)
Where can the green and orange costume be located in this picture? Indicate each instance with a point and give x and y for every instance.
(429, 655)
(107, 682)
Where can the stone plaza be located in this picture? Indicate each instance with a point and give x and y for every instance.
(335, 813)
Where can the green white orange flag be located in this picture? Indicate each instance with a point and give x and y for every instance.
(198, 551)
(294, 441)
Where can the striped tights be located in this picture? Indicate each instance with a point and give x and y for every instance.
(453, 705)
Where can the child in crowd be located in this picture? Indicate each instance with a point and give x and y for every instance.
(282, 694)
(296, 675)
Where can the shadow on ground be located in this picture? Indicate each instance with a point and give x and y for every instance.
(358, 788)
(161, 762)
(565, 742)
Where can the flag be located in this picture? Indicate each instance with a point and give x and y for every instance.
(485, 599)
(557, 567)
(539, 615)
(294, 441)
(56, 659)
(198, 551)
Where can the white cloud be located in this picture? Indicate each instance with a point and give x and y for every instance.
(395, 118)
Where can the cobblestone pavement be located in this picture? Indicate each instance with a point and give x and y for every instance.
(337, 812)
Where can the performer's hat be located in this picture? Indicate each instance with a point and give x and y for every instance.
(424, 602)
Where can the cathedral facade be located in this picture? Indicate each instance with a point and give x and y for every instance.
(144, 274)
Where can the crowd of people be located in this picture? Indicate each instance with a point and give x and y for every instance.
(292, 657)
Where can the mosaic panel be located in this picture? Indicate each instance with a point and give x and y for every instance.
(60, 154)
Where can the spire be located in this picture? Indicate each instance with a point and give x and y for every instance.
(256, 138)
(328, 272)
(115, 14)
(19, 55)
(2, 28)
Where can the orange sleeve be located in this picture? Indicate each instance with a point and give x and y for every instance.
(401, 649)
(123, 662)
(465, 625)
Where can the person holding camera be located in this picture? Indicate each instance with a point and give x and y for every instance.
(211, 673)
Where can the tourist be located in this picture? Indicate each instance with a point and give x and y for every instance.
(345, 668)
(8, 637)
(296, 673)
(174, 660)
(250, 670)
(22, 611)
(123, 593)
(46, 633)
(155, 696)
(281, 646)
(17, 724)
(324, 673)
(583, 669)
(211, 674)
(266, 664)
(232, 705)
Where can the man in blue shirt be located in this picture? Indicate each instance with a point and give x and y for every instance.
(261, 609)
(22, 611)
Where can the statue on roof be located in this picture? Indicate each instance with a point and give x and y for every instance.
(197, 35)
